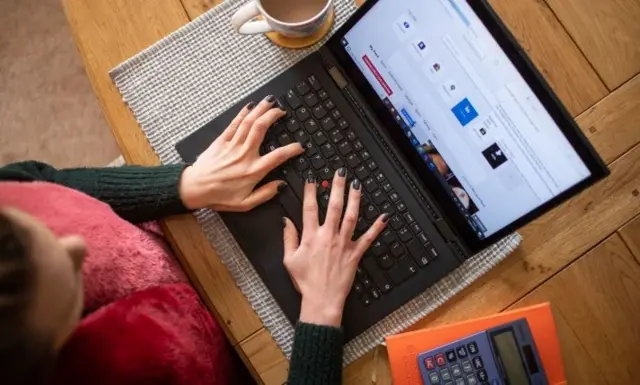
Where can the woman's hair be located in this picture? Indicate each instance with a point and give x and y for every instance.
(26, 357)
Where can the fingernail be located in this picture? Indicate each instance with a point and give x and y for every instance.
(284, 222)
(282, 186)
(385, 217)
(355, 184)
(311, 178)
(271, 98)
(342, 172)
(251, 105)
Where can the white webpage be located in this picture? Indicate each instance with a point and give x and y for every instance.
(466, 107)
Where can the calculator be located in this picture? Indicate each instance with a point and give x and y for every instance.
(504, 355)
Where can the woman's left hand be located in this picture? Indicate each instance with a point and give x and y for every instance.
(225, 176)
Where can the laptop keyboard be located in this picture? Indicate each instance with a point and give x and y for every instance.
(314, 121)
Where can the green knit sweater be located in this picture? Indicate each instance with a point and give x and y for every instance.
(139, 194)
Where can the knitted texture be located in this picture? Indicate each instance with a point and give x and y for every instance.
(317, 355)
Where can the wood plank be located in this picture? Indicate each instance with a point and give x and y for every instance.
(630, 233)
(195, 8)
(552, 242)
(106, 33)
(554, 53)
(608, 32)
(373, 368)
(265, 357)
(613, 124)
(596, 301)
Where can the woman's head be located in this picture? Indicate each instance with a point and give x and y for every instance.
(40, 295)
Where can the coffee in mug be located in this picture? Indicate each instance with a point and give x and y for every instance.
(292, 18)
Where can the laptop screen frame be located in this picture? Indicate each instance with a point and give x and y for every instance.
(534, 79)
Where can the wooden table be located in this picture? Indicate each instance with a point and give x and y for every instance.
(584, 257)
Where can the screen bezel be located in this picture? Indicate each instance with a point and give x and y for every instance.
(539, 86)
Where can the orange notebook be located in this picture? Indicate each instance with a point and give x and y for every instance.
(404, 348)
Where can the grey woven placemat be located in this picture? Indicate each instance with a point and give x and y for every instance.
(188, 78)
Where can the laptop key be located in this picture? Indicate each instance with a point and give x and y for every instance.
(385, 261)
(357, 288)
(324, 200)
(303, 114)
(375, 294)
(388, 208)
(379, 197)
(311, 99)
(303, 88)
(353, 160)
(292, 99)
(320, 138)
(369, 184)
(310, 149)
(372, 165)
(344, 148)
(351, 136)
(405, 235)
(284, 139)
(301, 137)
(318, 162)
(319, 112)
(365, 155)
(336, 162)
(416, 228)
(377, 276)
(328, 150)
(357, 145)
(364, 200)
(314, 82)
(366, 300)
(301, 163)
(336, 136)
(432, 250)
(342, 123)
(393, 196)
(361, 172)
(386, 186)
(278, 127)
(327, 124)
(362, 225)
(370, 212)
(325, 173)
(397, 250)
(417, 251)
(402, 271)
(396, 222)
(423, 238)
(408, 217)
(388, 237)
(400, 206)
(311, 126)
(378, 248)
(323, 94)
(329, 105)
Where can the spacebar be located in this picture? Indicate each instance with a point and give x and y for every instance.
(290, 200)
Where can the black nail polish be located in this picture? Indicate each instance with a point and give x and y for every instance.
(251, 106)
(282, 186)
(342, 172)
(311, 178)
(284, 222)
(271, 98)
(356, 184)
(385, 217)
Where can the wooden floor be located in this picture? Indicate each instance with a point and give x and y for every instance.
(583, 257)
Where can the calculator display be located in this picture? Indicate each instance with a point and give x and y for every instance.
(509, 353)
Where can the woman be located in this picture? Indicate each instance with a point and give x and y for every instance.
(157, 331)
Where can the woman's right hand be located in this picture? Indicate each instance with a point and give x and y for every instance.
(323, 263)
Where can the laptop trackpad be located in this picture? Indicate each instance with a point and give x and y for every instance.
(259, 234)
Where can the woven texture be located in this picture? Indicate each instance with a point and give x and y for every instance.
(185, 80)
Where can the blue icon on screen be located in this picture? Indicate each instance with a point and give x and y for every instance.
(408, 117)
(422, 46)
(465, 112)
(414, 141)
(406, 24)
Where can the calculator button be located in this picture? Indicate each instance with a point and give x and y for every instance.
(445, 374)
(466, 367)
(477, 362)
(472, 347)
(460, 381)
(440, 360)
(461, 351)
(434, 378)
(471, 380)
(455, 370)
(482, 375)
(429, 364)
(451, 356)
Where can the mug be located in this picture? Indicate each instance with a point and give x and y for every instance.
(243, 24)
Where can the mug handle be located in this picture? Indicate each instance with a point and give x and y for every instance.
(241, 23)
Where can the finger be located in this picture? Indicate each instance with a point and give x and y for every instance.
(261, 126)
(245, 126)
(261, 195)
(351, 213)
(309, 207)
(275, 158)
(290, 236)
(228, 133)
(336, 200)
(365, 241)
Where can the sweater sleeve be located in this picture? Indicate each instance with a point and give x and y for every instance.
(317, 355)
(135, 193)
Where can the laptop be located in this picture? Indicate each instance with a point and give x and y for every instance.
(437, 110)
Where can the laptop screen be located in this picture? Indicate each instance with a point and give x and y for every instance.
(465, 109)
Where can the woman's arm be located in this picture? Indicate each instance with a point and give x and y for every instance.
(135, 193)
(223, 178)
(322, 265)
(317, 355)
